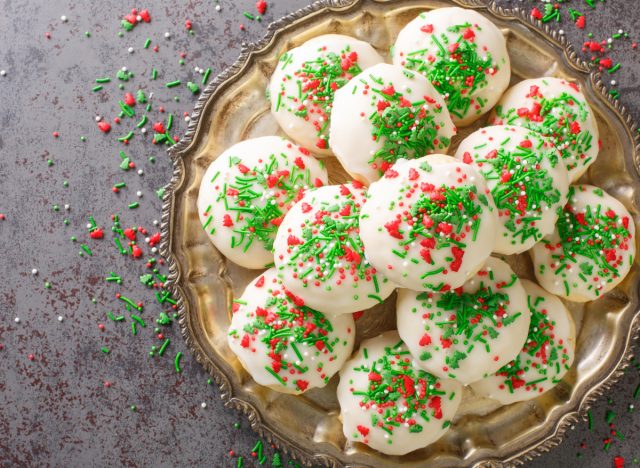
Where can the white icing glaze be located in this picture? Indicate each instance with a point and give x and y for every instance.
(527, 179)
(470, 333)
(298, 86)
(583, 259)
(565, 117)
(444, 36)
(325, 222)
(422, 404)
(443, 245)
(545, 358)
(218, 201)
(359, 113)
(273, 333)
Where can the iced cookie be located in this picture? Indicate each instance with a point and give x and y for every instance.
(386, 114)
(429, 223)
(319, 254)
(527, 179)
(545, 358)
(463, 54)
(468, 333)
(284, 344)
(389, 404)
(246, 192)
(557, 109)
(304, 82)
(591, 250)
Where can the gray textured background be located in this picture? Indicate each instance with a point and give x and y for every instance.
(54, 410)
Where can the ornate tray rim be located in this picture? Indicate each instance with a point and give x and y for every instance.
(193, 134)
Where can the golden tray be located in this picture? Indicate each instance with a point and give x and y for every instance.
(233, 107)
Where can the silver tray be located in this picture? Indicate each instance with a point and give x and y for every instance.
(233, 107)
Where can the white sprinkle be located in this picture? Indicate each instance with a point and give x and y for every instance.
(63, 18)
(60, 318)
(98, 118)
(67, 207)
(140, 172)
(155, 222)
(34, 271)
(139, 193)
(138, 18)
(561, 32)
(3, 72)
(167, 35)
(124, 69)
(218, 8)
(130, 50)
(89, 226)
(203, 405)
(143, 130)
(154, 250)
(17, 319)
(187, 118)
(613, 82)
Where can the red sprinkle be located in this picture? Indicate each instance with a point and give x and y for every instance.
(104, 126)
(261, 6)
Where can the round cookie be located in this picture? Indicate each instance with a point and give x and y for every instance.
(320, 257)
(386, 114)
(463, 54)
(527, 179)
(246, 192)
(591, 250)
(429, 223)
(544, 359)
(389, 404)
(468, 333)
(304, 82)
(557, 109)
(284, 344)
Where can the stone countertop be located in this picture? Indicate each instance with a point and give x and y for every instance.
(71, 404)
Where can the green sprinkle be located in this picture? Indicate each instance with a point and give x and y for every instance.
(142, 121)
(610, 416)
(105, 350)
(193, 87)
(636, 392)
(164, 346)
(249, 15)
(615, 68)
(126, 137)
(176, 362)
(173, 84)
(154, 74)
(590, 416)
(205, 78)
(106, 79)
(86, 249)
(134, 205)
(96, 88)
(147, 43)
(139, 320)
